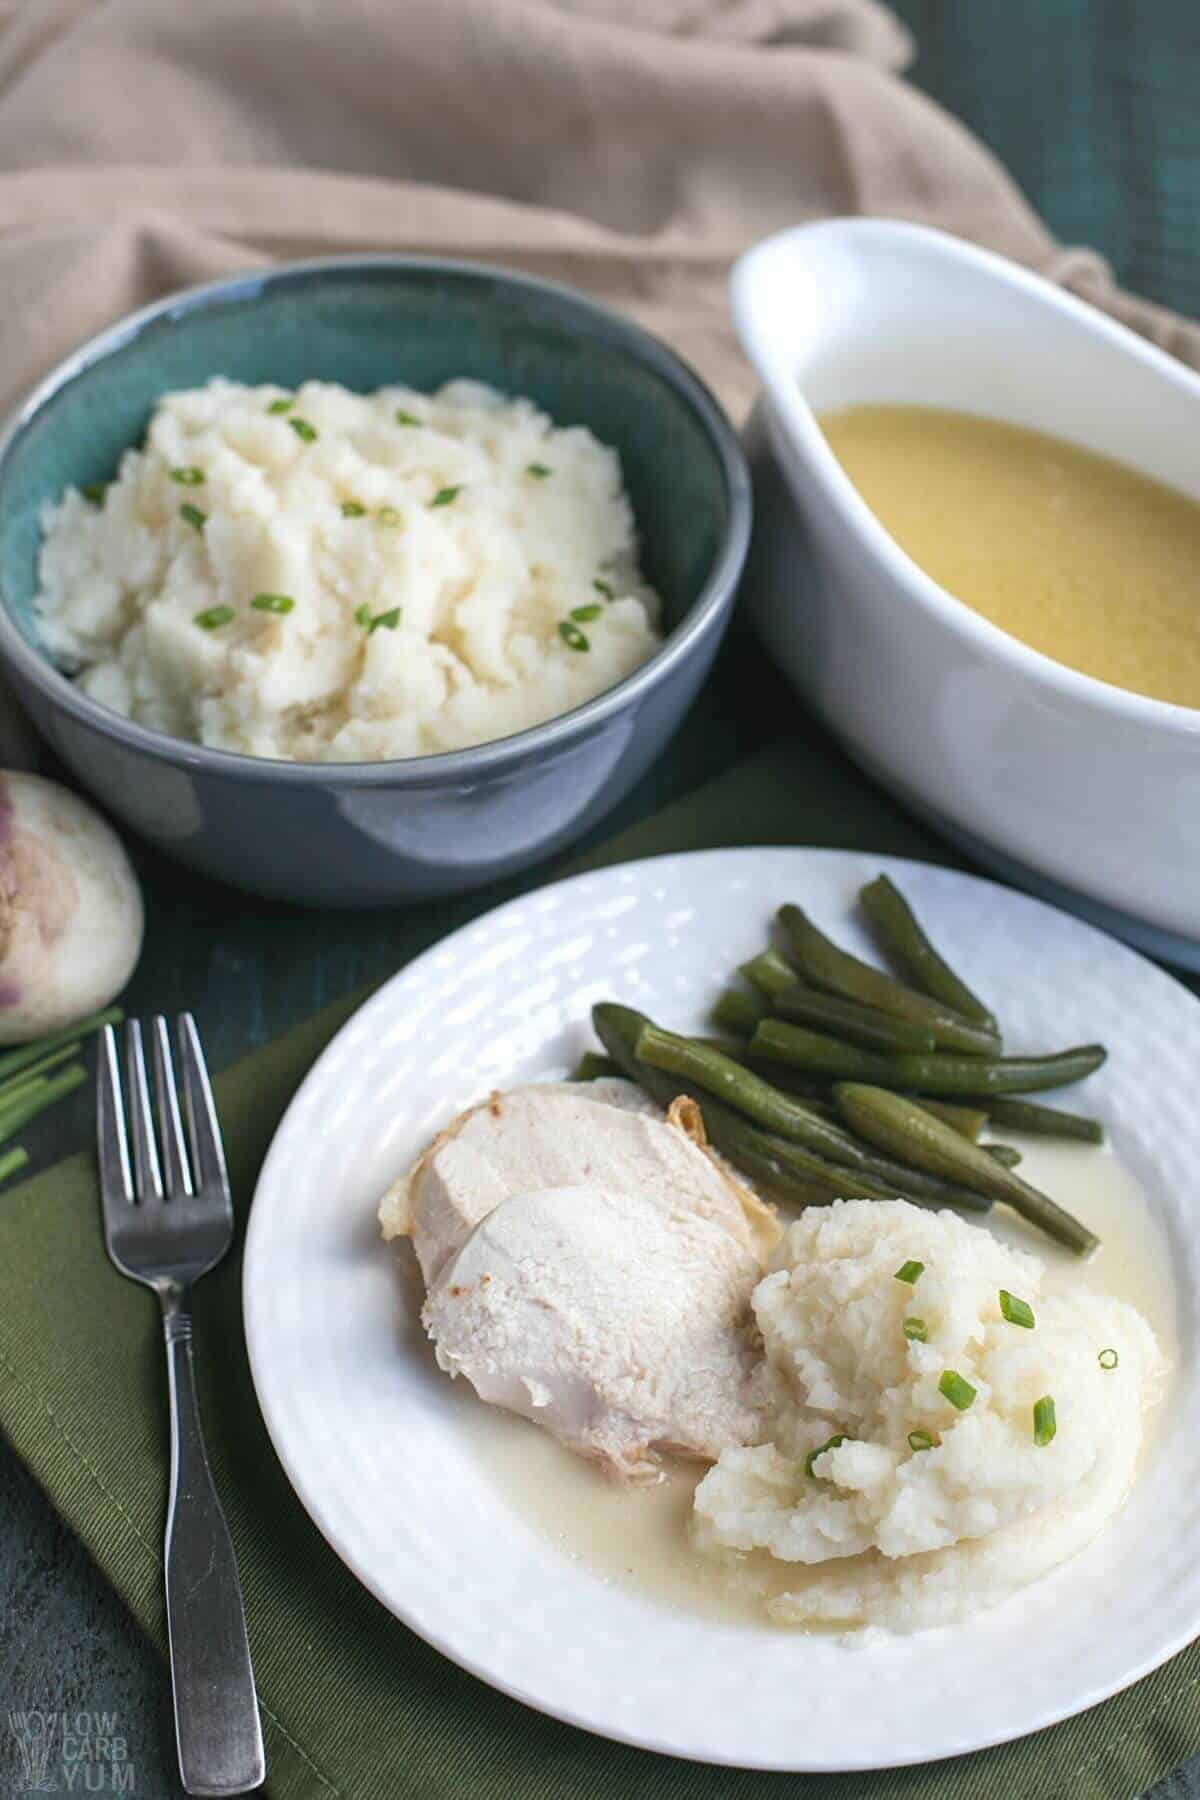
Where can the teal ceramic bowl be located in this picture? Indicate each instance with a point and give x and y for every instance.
(369, 833)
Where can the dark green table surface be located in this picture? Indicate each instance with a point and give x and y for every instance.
(1095, 108)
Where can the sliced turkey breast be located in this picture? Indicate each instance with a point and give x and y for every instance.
(590, 1265)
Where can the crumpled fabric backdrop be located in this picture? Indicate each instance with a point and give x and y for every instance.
(632, 147)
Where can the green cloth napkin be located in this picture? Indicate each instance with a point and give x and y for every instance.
(353, 1704)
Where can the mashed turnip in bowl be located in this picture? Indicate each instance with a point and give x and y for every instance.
(323, 576)
(947, 1490)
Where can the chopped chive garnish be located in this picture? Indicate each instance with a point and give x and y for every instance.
(915, 1332)
(910, 1272)
(273, 603)
(446, 496)
(920, 1440)
(213, 617)
(387, 515)
(954, 1388)
(362, 614)
(829, 1444)
(281, 406)
(389, 620)
(406, 418)
(1044, 1422)
(353, 509)
(1017, 1312)
(303, 430)
(12, 1160)
(193, 515)
(538, 469)
(1108, 1359)
(585, 614)
(605, 588)
(572, 636)
(189, 477)
(95, 492)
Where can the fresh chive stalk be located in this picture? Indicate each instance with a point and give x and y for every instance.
(1044, 1422)
(446, 496)
(273, 603)
(50, 1061)
(213, 617)
(12, 1160)
(282, 406)
(304, 431)
(36, 1055)
(829, 1444)
(585, 614)
(1017, 1312)
(572, 637)
(956, 1389)
(14, 1118)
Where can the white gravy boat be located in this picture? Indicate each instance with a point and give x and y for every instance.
(1076, 788)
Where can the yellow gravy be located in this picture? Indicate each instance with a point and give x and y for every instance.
(1079, 557)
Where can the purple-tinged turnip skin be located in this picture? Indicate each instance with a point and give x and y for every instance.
(71, 916)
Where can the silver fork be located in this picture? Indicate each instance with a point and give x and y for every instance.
(167, 1223)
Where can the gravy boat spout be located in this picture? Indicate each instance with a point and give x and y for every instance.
(1081, 790)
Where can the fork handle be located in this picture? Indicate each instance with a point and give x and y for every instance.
(216, 1713)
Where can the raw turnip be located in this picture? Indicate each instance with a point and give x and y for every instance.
(70, 909)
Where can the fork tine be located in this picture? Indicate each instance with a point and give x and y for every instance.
(141, 1119)
(170, 1125)
(204, 1133)
(112, 1150)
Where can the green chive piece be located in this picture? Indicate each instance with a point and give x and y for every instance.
(31, 1056)
(95, 492)
(538, 469)
(19, 1091)
(585, 614)
(353, 509)
(389, 620)
(406, 418)
(12, 1160)
(829, 1444)
(273, 603)
(954, 1388)
(193, 515)
(213, 617)
(362, 614)
(20, 1079)
(281, 406)
(915, 1332)
(910, 1272)
(445, 496)
(303, 430)
(920, 1440)
(572, 636)
(189, 477)
(1017, 1312)
(605, 588)
(16, 1117)
(1044, 1422)
(387, 515)
(1108, 1359)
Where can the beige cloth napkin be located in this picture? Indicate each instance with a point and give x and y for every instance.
(631, 147)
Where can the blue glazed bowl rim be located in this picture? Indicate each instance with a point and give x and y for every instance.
(451, 765)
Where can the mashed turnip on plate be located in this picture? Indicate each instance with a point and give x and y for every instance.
(324, 576)
(928, 1509)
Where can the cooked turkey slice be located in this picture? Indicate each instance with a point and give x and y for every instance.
(550, 1136)
(616, 1323)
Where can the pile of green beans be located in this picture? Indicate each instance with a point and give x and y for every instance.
(835, 1079)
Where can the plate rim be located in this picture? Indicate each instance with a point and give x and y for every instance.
(769, 1763)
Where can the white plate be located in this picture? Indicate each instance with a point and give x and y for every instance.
(370, 1434)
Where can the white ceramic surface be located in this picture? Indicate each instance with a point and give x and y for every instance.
(371, 1434)
(1089, 786)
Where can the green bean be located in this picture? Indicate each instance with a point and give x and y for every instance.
(968, 1121)
(903, 1129)
(942, 1077)
(592, 1067)
(863, 1025)
(770, 973)
(739, 1010)
(1046, 1121)
(901, 933)
(1006, 1154)
(829, 967)
(794, 1173)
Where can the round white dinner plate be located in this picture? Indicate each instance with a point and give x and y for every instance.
(370, 1433)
